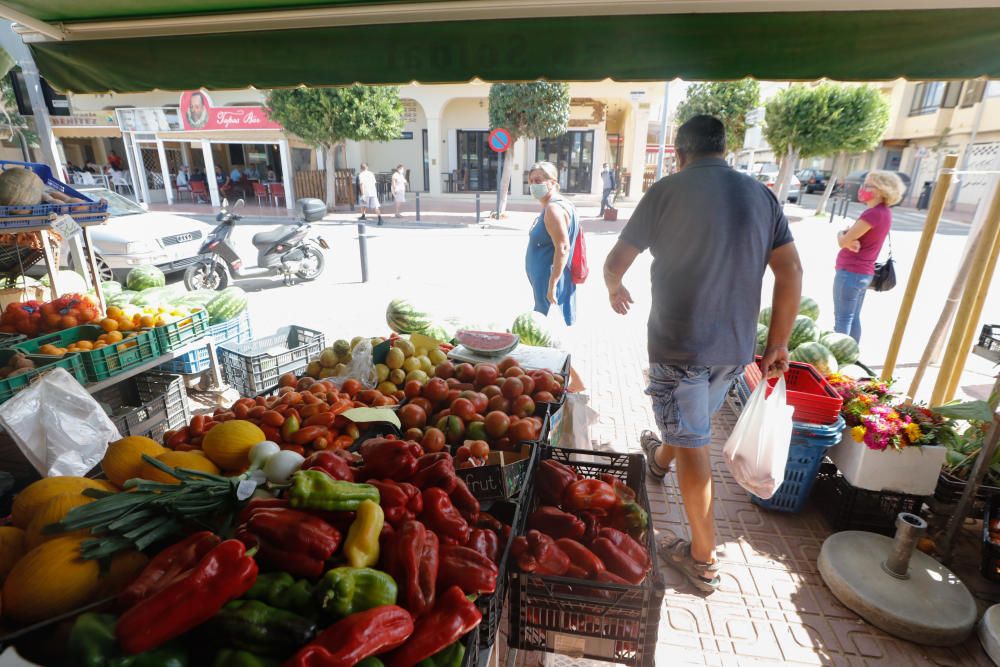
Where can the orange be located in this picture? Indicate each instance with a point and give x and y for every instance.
(98, 346)
(146, 321)
(85, 345)
(115, 312)
(109, 324)
(114, 337)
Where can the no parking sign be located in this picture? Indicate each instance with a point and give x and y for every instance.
(499, 140)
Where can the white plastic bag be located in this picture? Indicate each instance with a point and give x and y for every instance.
(569, 427)
(757, 450)
(58, 425)
(361, 367)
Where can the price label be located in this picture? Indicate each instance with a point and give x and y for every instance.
(65, 226)
(245, 489)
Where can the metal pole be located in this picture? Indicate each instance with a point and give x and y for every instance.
(477, 207)
(909, 529)
(499, 184)
(417, 195)
(40, 112)
(976, 121)
(661, 151)
(919, 261)
(363, 249)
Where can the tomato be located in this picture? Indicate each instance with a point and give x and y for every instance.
(351, 387)
(465, 372)
(414, 434)
(433, 440)
(463, 409)
(523, 406)
(512, 388)
(499, 404)
(412, 416)
(486, 374)
(436, 390)
(491, 391)
(497, 424)
(544, 397)
(287, 380)
(412, 389)
(528, 383)
(513, 372)
(272, 418)
(479, 448)
(445, 370)
(506, 363)
(424, 403)
(523, 431)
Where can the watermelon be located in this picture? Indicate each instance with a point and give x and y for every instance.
(761, 338)
(199, 298)
(843, 347)
(144, 277)
(532, 329)
(111, 287)
(809, 308)
(227, 305)
(157, 296)
(439, 330)
(817, 355)
(803, 331)
(487, 343)
(122, 299)
(403, 318)
(765, 317)
(70, 282)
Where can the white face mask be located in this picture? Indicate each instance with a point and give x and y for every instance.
(539, 190)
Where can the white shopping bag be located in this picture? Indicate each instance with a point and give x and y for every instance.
(757, 449)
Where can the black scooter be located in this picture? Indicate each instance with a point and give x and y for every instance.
(287, 251)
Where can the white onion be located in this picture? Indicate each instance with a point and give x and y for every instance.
(280, 467)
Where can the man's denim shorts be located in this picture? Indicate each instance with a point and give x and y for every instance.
(685, 398)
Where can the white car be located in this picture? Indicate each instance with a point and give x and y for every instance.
(770, 179)
(133, 236)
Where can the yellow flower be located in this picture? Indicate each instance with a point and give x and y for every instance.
(858, 433)
(913, 432)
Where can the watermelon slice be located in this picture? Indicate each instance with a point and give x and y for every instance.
(488, 343)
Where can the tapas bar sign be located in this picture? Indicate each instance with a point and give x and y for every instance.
(198, 113)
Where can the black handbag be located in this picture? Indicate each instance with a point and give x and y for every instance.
(885, 273)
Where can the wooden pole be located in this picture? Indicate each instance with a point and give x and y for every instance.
(981, 261)
(919, 261)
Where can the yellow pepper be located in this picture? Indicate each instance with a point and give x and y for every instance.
(361, 546)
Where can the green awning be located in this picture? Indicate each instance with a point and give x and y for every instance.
(858, 46)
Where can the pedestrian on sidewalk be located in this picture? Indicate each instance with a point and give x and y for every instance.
(712, 231)
(860, 247)
(399, 188)
(609, 181)
(369, 193)
(550, 244)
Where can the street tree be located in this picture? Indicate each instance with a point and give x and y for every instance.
(730, 102)
(324, 117)
(808, 121)
(536, 110)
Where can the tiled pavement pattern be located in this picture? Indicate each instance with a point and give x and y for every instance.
(772, 608)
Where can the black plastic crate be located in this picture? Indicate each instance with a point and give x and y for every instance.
(989, 342)
(949, 490)
(846, 507)
(611, 622)
(149, 404)
(492, 605)
(253, 368)
(989, 564)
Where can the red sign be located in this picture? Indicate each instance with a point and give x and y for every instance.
(197, 113)
(499, 140)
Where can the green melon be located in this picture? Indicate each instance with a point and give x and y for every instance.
(111, 287)
(809, 308)
(765, 317)
(817, 355)
(761, 338)
(20, 187)
(145, 277)
(440, 330)
(227, 305)
(532, 329)
(843, 347)
(122, 299)
(803, 331)
(199, 298)
(158, 296)
(403, 318)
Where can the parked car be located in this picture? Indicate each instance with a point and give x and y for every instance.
(813, 180)
(133, 236)
(856, 178)
(770, 179)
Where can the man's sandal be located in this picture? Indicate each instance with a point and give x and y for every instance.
(650, 443)
(676, 552)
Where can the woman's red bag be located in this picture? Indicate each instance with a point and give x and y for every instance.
(578, 269)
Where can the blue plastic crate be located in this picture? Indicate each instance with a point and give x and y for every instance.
(27, 216)
(808, 448)
(198, 361)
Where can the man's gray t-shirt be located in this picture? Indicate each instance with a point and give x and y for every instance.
(710, 230)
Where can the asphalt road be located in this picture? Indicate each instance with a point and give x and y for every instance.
(902, 219)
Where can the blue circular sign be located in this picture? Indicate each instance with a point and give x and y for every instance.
(499, 140)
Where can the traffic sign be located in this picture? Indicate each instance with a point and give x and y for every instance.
(499, 140)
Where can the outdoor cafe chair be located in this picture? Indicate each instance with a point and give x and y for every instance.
(277, 191)
(260, 192)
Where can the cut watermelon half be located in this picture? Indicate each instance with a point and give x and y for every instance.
(488, 343)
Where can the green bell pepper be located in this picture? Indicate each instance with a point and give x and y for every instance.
(262, 629)
(231, 657)
(316, 490)
(282, 590)
(449, 657)
(347, 590)
(92, 643)
(370, 662)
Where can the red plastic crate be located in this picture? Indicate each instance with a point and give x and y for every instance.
(814, 400)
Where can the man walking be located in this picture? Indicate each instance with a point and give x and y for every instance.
(609, 181)
(369, 193)
(712, 232)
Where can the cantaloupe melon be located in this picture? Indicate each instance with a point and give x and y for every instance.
(20, 187)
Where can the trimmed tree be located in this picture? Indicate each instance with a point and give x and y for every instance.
(730, 102)
(810, 121)
(536, 110)
(324, 117)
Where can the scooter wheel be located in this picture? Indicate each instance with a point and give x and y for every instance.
(206, 276)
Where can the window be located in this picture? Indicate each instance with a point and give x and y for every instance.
(952, 92)
(973, 93)
(573, 154)
(927, 98)
(477, 162)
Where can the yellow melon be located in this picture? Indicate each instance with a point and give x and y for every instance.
(228, 444)
(123, 459)
(36, 495)
(49, 580)
(11, 549)
(193, 460)
(53, 511)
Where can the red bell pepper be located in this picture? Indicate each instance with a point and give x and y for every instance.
(466, 503)
(399, 500)
(173, 562)
(435, 470)
(592, 521)
(453, 616)
(224, 573)
(388, 459)
(412, 556)
(490, 522)
(616, 560)
(441, 516)
(537, 552)
(340, 520)
(555, 523)
(586, 494)
(331, 463)
(469, 570)
(485, 542)
(626, 543)
(552, 479)
(356, 637)
(583, 563)
(290, 540)
(627, 515)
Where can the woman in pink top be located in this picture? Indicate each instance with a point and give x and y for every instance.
(860, 247)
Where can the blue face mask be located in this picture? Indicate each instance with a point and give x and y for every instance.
(539, 190)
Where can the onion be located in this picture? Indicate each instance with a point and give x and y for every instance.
(280, 467)
(261, 452)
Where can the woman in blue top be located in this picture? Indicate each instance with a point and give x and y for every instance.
(550, 244)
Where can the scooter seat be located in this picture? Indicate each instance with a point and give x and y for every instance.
(273, 236)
